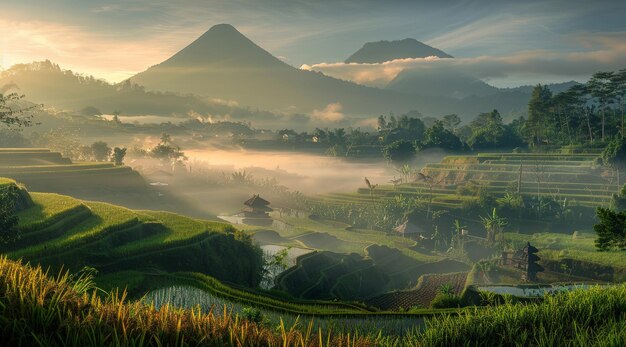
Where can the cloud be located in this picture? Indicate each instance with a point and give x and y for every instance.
(375, 74)
(331, 113)
(604, 51)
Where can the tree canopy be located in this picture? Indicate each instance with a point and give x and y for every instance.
(11, 114)
(399, 151)
(611, 229)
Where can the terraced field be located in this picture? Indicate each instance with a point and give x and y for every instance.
(577, 178)
(45, 171)
(63, 232)
(41, 170)
(427, 288)
(327, 275)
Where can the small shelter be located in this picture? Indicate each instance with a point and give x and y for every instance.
(256, 207)
(525, 259)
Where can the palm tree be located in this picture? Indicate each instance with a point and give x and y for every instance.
(405, 172)
(395, 181)
(241, 177)
(493, 225)
(440, 239)
(459, 228)
(165, 138)
(371, 187)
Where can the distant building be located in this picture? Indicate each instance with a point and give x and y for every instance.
(256, 207)
(525, 259)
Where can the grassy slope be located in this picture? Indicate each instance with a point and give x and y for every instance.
(46, 206)
(567, 176)
(356, 239)
(60, 231)
(555, 246)
(93, 227)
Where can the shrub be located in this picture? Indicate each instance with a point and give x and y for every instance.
(253, 314)
(399, 151)
(443, 300)
(9, 231)
(118, 156)
(101, 151)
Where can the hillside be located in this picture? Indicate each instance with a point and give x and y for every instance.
(47, 83)
(382, 51)
(448, 83)
(223, 63)
(571, 176)
(66, 233)
(45, 171)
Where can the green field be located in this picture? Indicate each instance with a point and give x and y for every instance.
(575, 177)
(64, 232)
(44, 171)
(147, 250)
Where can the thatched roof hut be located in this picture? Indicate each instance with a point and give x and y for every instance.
(257, 204)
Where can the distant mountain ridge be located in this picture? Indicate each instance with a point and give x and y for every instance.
(47, 83)
(223, 63)
(448, 83)
(382, 51)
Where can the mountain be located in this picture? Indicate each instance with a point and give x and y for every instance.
(46, 83)
(446, 83)
(471, 95)
(224, 64)
(382, 51)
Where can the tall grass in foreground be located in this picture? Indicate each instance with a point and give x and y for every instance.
(38, 310)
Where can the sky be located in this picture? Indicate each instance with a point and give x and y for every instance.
(502, 41)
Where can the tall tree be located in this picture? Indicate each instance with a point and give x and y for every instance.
(538, 113)
(614, 155)
(399, 152)
(101, 151)
(487, 130)
(618, 85)
(601, 88)
(610, 230)
(439, 136)
(118, 156)
(580, 95)
(451, 122)
(562, 104)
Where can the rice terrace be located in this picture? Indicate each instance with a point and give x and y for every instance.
(311, 174)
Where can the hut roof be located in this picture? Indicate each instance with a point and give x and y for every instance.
(256, 201)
